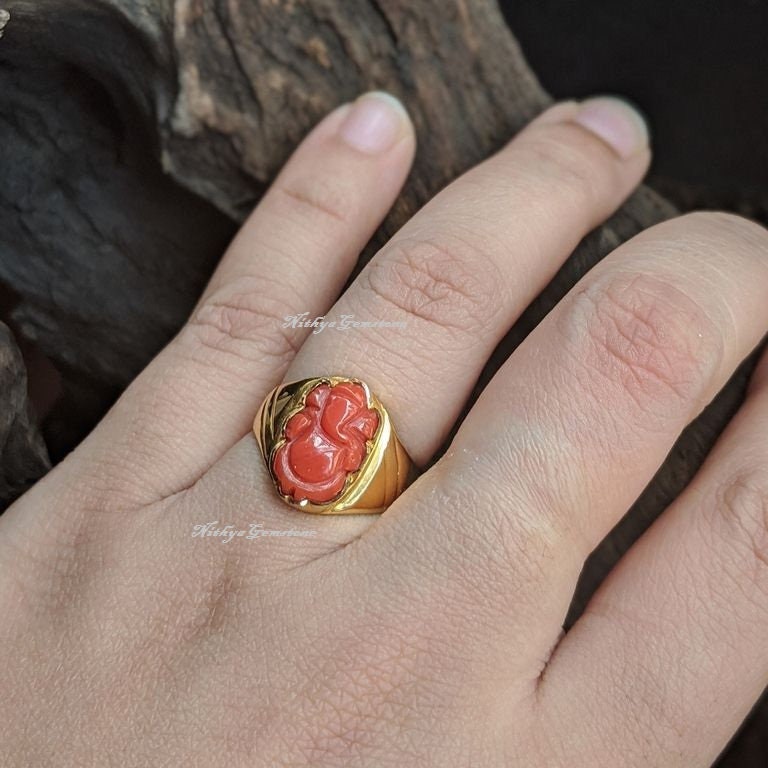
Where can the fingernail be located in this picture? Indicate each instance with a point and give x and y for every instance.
(616, 122)
(375, 123)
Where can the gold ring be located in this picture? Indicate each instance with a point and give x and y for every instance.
(330, 447)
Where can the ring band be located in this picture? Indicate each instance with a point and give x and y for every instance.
(330, 447)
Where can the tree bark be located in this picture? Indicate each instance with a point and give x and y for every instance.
(135, 134)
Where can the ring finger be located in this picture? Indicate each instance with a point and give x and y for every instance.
(462, 270)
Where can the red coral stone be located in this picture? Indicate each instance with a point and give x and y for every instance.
(325, 441)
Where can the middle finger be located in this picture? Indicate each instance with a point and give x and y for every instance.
(458, 274)
(463, 269)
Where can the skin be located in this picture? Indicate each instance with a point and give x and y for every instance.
(431, 635)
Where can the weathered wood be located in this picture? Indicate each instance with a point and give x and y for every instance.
(106, 252)
(23, 456)
(134, 134)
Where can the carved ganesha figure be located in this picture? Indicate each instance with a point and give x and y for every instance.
(325, 442)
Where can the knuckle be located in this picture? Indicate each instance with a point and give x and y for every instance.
(239, 323)
(446, 283)
(320, 198)
(645, 334)
(741, 508)
(576, 160)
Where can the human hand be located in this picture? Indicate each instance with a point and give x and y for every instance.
(429, 636)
